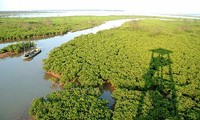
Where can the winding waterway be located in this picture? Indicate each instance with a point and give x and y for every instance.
(22, 81)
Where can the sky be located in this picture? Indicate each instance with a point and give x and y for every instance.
(134, 6)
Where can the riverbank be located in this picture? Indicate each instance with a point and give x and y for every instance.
(7, 54)
(25, 29)
(34, 28)
(54, 75)
(153, 65)
(22, 81)
(28, 79)
(15, 49)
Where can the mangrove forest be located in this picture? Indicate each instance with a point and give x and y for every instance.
(154, 66)
(16, 29)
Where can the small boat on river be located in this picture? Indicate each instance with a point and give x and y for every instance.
(32, 53)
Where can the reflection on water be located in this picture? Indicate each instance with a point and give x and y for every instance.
(28, 60)
(107, 89)
(55, 85)
(22, 81)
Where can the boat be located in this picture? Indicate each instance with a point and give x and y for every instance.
(32, 53)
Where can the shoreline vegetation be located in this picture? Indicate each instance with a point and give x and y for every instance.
(17, 48)
(153, 64)
(17, 29)
(26, 29)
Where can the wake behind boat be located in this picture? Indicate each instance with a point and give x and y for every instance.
(32, 53)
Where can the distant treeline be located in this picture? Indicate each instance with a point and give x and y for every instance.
(16, 29)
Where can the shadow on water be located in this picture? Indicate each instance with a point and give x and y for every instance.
(159, 87)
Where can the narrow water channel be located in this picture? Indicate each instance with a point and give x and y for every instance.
(22, 81)
(107, 89)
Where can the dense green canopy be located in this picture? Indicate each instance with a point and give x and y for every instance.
(15, 29)
(18, 47)
(153, 64)
(74, 103)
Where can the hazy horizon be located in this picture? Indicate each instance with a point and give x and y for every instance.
(133, 6)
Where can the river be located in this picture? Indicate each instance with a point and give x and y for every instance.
(22, 81)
